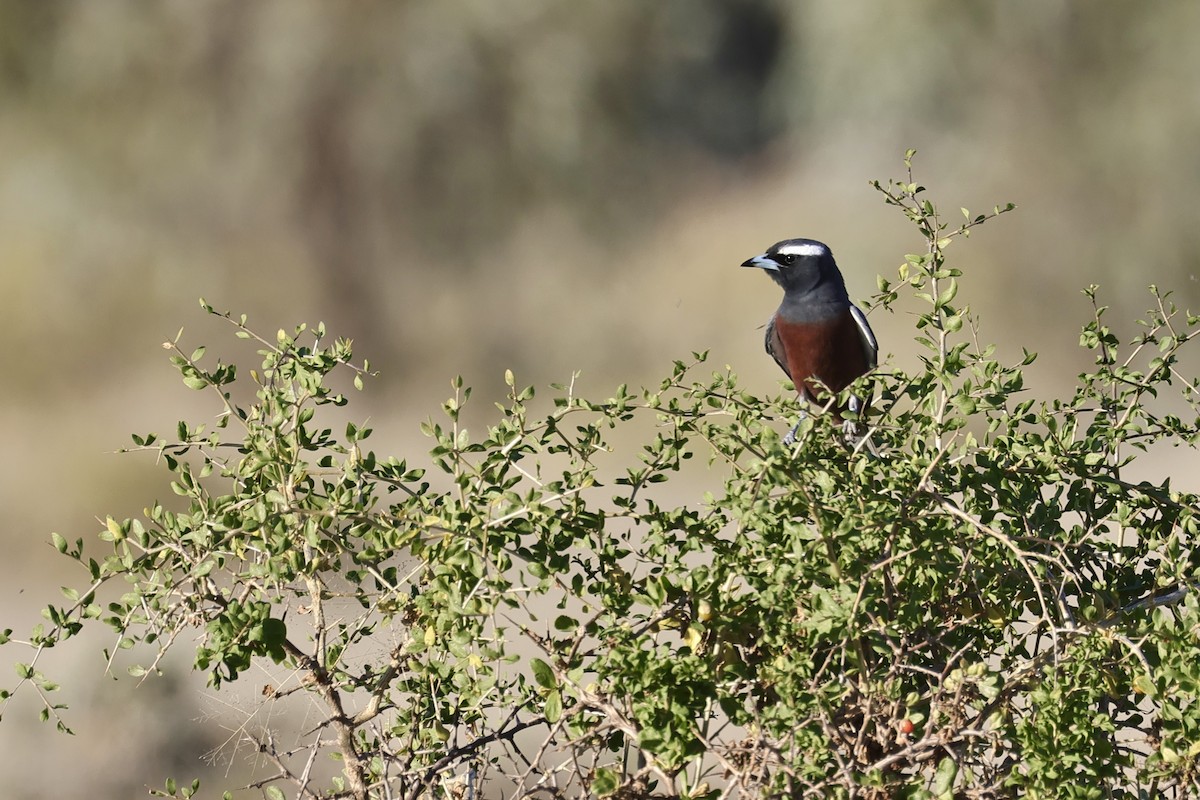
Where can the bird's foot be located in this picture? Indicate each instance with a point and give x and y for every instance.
(789, 438)
(857, 437)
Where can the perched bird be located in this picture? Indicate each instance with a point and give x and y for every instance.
(817, 336)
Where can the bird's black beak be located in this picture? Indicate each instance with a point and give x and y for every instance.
(762, 262)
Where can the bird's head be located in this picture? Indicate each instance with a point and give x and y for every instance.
(802, 266)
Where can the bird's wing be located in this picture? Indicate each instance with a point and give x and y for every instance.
(870, 346)
(775, 347)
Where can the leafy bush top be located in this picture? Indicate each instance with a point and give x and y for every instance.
(974, 600)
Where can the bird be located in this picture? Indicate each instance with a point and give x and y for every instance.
(817, 336)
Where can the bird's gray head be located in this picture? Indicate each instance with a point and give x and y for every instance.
(805, 269)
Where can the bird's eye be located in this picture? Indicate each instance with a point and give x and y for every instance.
(787, 258)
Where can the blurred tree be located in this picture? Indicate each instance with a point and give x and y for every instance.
(25, 30)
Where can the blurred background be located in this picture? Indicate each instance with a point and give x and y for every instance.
(546, 186)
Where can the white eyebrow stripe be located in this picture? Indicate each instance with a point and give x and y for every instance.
(804, 249)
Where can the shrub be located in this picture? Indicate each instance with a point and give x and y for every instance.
(976, 600)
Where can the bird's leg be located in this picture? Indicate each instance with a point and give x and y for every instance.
(790, 438)
(855, 432)
(850, 427)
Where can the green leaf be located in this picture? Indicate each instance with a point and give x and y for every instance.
(115, 529)
(554, 706)
(542, 673)
(943, 778)
(948, 294)
(606, 782)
